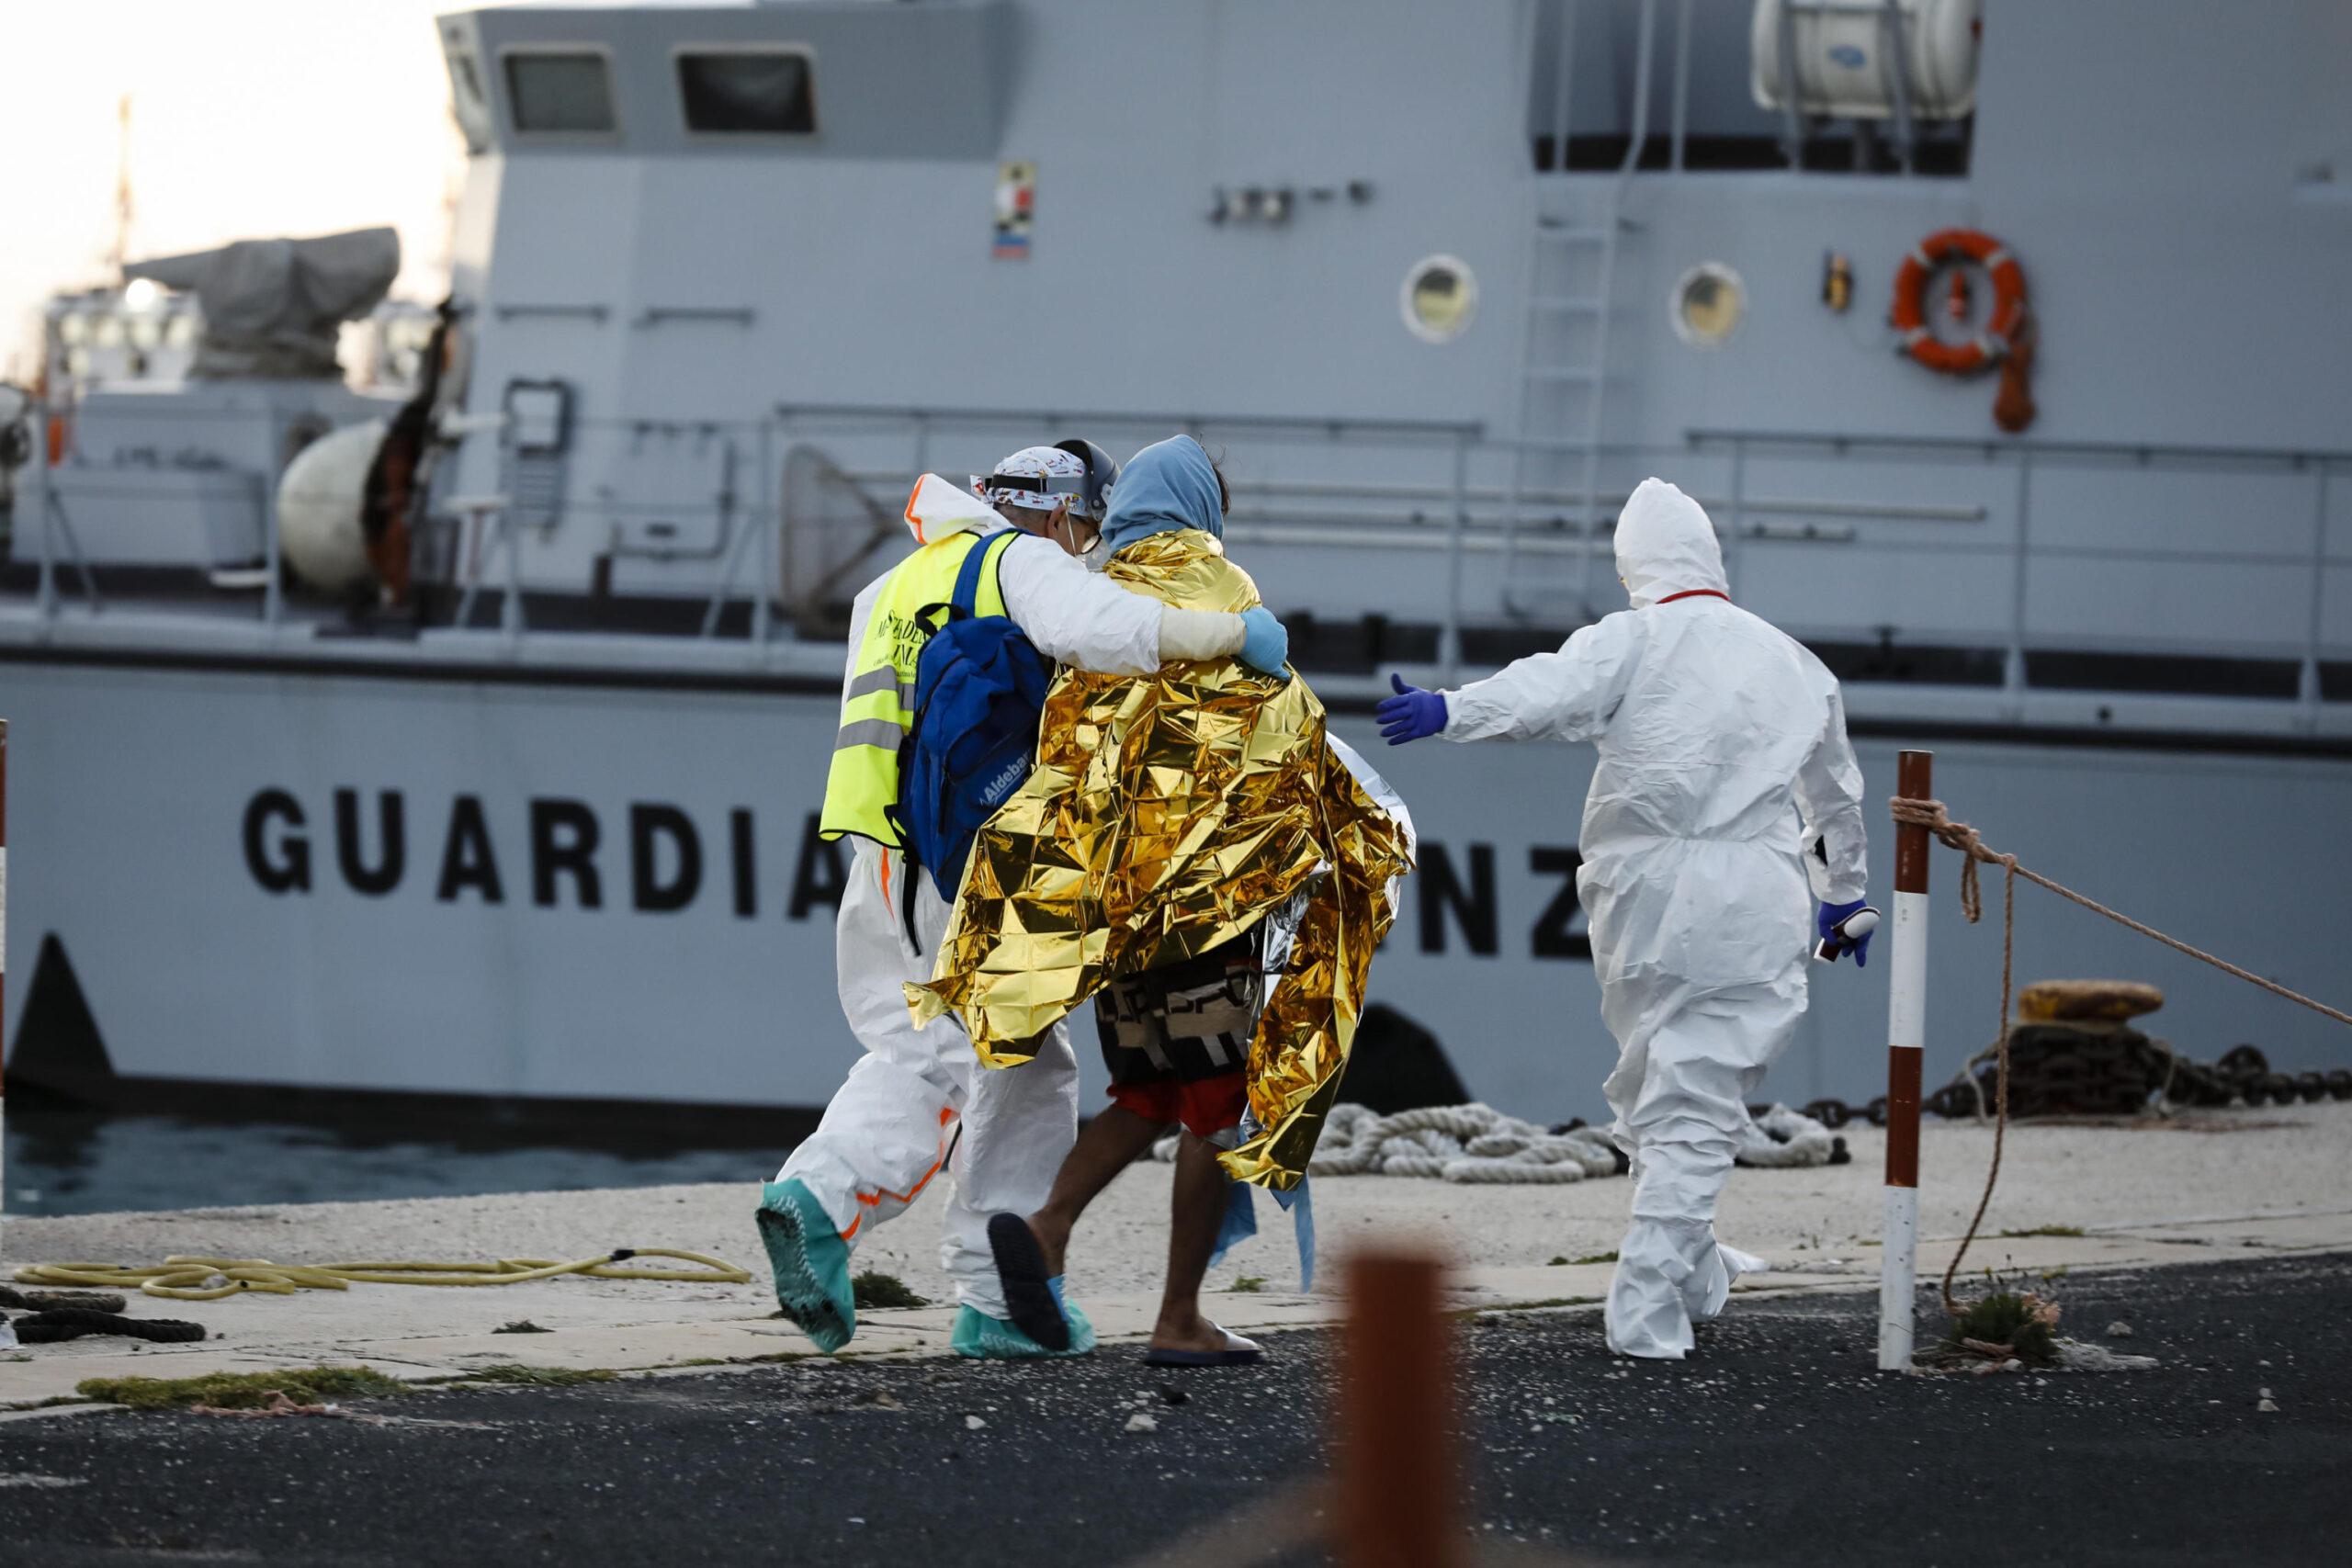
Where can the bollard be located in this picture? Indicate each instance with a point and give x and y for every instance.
(1906, 1024)
(1396, 1500)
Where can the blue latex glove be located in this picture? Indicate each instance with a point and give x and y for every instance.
(1265, 643)
(1831, 916)
(1411, 713)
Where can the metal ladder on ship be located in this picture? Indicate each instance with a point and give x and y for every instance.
(1556, 307)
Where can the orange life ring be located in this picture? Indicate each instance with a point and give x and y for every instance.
(2000, 334)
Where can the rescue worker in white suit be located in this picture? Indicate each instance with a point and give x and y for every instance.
(919, 1101)
(1724, 769)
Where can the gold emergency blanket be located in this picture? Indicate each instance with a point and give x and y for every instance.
(1168, 814)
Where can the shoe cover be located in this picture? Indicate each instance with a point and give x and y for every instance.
(1664, 1268)
(810, 1263)
(1729, 1265)
(985, 1338)
(1669, 1276)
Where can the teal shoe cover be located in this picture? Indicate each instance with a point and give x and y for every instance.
(810, 1262)
(986, 1338)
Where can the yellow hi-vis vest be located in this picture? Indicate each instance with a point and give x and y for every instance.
(878, 706)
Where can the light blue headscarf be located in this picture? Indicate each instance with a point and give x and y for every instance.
(1167, 486)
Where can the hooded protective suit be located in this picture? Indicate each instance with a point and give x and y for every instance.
(919, 1101)
(1724, 783)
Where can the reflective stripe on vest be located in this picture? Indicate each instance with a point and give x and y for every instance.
(878, 707)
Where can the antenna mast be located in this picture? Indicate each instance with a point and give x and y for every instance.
(121, 256)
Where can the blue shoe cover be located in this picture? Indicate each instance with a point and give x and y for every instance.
(810, 1262)
(985, 1338)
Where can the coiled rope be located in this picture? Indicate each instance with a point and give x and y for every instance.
(187, 1279)
(1473, 1144)
(1478, 1145)
(1936, 818)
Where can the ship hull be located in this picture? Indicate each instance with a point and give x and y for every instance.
(607, 887)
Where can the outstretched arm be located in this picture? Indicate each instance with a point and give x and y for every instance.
(1568, 695)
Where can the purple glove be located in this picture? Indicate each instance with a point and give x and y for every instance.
(1412, 714)
(1832, 915)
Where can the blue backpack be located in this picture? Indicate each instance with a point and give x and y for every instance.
(980, 695)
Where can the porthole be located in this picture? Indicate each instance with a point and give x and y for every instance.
(1709, 303)
(1439, 298)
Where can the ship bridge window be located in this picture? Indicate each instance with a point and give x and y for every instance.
(747, 92)
(564, 92)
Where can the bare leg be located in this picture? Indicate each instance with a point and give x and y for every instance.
(1105, 1147)
(1196, 1209)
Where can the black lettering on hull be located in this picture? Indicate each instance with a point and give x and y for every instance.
(649, 825)
(747, 893)
(1560, 930)
(370, 881)
(1442, 892)
(564, 843)
(466, 859)
(282, 866)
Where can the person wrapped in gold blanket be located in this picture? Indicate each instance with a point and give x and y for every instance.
(1167, 814)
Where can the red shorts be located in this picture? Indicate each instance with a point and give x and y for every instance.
(1205, 1106)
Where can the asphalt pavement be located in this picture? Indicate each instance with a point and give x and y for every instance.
(1778, 1443)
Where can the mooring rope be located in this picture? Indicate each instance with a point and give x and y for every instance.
(1933, 816)
(187, 1279)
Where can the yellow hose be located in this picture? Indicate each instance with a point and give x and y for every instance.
(189, 1279)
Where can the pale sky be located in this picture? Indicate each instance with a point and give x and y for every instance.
(249, 119)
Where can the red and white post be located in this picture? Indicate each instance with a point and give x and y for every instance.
(1906, 1038)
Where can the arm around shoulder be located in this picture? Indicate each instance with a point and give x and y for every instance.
(1076, 616)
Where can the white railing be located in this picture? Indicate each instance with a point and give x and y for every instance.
(1421, 512)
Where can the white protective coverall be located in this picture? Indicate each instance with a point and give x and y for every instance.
(896, 1119)
(1723, 756)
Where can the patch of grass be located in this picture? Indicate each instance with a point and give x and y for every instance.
(2020, 1322)
(1248, 1285)
(521, 1325)
(2047, 1230)
(875, 1290)
(539, 1377)
(1608, 1257)
(242, 1390)
(1496, 1314)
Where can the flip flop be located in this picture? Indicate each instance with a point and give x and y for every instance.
(1238, 1352)
(1029, 1297)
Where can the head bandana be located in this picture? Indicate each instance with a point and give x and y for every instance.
(1168, 486)
(1062, 478)
(1665, 546)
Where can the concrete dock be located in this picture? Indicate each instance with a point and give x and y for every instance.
(2141, 1194)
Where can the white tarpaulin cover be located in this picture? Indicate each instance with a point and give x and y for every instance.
(272, 307)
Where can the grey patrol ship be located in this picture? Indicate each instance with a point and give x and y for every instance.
(538, 822)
